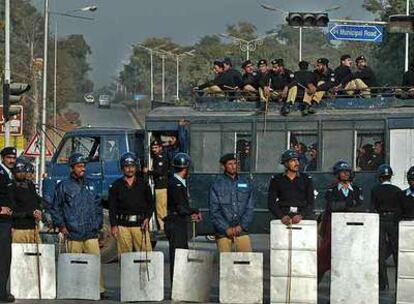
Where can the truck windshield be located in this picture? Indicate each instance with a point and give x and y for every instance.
(88, 146)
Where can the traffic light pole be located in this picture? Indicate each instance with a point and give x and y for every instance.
(407, 41)
(300, 43)
(7, 67)
(44, 95)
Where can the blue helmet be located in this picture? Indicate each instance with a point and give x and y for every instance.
(181, 160)
(128, 159)
(20, 166)
(77, 158)
(410, 174)
(29, 167)
(341, 166)
(384, 170)
(288, 155)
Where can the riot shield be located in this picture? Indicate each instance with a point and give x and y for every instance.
(405, 278)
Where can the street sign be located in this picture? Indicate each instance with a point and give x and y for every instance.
(16, 122)
(33, 149)
(355, 32)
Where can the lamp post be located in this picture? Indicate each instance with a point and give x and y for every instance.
(407, 40)
(248, 46)
(7, 65)
(151, 51)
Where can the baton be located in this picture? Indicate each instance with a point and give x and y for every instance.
(39, 283)
(144, 241)
(289, 287)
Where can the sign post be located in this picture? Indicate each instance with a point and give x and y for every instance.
(15, 122)
(356, 32)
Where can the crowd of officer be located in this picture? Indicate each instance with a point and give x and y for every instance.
(77, 212)
(275, 82)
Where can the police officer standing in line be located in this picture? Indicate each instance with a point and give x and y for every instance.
(384, 201)
(77, 211)
(131, 206)
(8, 160)
(231, 205)
(291, 194)
(27, 205)
(159, 173)
(179, 209)
(406, 198)
(341, 196)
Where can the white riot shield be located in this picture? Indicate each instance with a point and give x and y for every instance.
(293, 262)
(26, 267)
(405, 291)
(193, 271)
(241, 277)
(78, 276)
(142, 276)
(354, 261)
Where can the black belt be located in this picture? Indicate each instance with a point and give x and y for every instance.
(387, 213)
(130, 219)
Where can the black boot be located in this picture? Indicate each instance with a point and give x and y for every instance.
(285, 110)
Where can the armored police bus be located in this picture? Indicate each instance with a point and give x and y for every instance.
(362, 131)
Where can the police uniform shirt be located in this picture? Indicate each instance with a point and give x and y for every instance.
(250, 79)
(280, 80)
(177, 198)
(305, 78)
(5, 184)
(406, 204)
(25, 201)
(232, 78)
(327, 77)
(263, 79)
(286, 196)
(341, 199)
(160, 169)
(384, 198)
(130, 200)
(343, 74)
(367, 75)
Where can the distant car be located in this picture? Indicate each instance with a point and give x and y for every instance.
(104, 101)
(89, 98)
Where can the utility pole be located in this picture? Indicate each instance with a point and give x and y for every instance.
(407, 40)
(163, 76)
(7, 67)
(44, 95)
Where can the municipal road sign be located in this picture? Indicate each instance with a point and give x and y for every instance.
(33, 149)
(16, 122)
(354, 32)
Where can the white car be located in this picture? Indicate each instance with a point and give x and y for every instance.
(104, 101)
(89, 98)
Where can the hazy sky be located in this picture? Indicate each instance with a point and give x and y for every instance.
(118, 23)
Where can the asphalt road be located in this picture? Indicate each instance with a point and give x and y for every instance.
(116, 116)
(261, 243)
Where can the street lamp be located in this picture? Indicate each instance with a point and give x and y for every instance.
(178, 57)
(248, 45)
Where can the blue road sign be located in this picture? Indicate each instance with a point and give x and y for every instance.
(354, 32)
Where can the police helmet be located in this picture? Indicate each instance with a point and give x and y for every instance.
(410, 174)
(77, 158)
(29, 168)
(341, 166)
(384, 170)
(288, 155)
(128, 159)
(20, 166)
(181, 160)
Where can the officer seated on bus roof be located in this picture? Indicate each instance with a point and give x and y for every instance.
(216, 85)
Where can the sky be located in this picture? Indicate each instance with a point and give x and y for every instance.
(119, 23)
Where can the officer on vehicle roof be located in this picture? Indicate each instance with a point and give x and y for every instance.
(231, 204)
(291, 194)
(27, 205)
(8, 160)
(179, 209)
(341, 196)
(77, 211)
(384, 201)
(131, 206)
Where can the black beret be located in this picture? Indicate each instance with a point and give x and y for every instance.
(246, 63)
(227, 60)
(278, 61)
(218, 62)
(346, 56)
(156, 142)
(262, 61)
(226, 157)
(313, 146)
(8, 151)
(360, 58)
(324, 61)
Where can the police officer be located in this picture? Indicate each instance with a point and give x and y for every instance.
(291, 194)
(232, 77)
(250, 82)
(217, 85)
(131, 206)
(325, 79)
(384, 202)
(77, 211)
(159, 173)
(8, 160)
(179, 209)
(406, 198)
(341, 196)
(27, 205)
(231, 204)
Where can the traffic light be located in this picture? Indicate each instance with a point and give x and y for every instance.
(12, 94)
(307, 19)
(401, 24)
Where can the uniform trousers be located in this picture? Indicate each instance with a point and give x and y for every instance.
(161, 206)
(238, 244)
(5, 257)
(133, 238)
(388, 245)
(25, 236)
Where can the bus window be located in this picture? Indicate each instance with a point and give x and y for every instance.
(370, 151)
(205, 151)
(306, 144)
(243, 151)
(88, 146)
